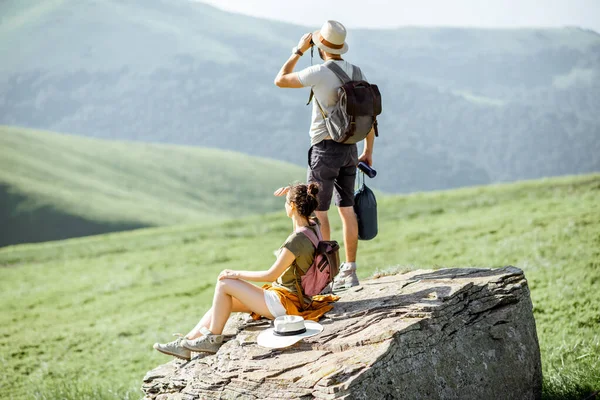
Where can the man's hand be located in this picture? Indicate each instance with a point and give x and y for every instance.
(282, 191)
(367, 158)
(304, 43)
(367, 154)
(228, 274)
(287, 78)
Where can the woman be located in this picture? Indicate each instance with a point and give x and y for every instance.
(235, 293)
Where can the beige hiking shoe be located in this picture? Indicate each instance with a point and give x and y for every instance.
(204, 344)
(174, 348)
(346, 278)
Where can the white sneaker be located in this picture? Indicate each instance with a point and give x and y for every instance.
(205, 343)
(174, 348)
(346, 278)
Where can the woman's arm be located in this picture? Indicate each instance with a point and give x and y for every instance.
(284, 260)
(282, 191)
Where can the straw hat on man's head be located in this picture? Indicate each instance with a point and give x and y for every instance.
(331, 38)
(288, 330)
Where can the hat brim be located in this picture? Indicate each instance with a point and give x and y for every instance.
(317, 41)
(267, 338)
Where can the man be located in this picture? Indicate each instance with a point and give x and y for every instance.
(331, 164)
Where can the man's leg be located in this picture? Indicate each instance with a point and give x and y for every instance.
(344, 191)
(325, 227)
(322, 170)
(347, 277)
(350, 229)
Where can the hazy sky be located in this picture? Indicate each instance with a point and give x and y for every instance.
(393, 13)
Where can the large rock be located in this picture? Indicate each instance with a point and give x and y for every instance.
(445, 334)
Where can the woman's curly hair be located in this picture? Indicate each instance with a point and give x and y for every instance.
(304, 196)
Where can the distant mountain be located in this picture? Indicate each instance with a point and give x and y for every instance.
(55, 186)
(461, 106)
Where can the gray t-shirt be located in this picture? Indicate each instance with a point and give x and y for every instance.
(325, 85)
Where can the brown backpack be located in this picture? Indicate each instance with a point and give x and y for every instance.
(355, 114)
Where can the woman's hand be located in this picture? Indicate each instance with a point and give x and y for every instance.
(229, 274)
(282, 191)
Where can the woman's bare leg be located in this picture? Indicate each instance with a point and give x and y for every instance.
(236, 306)
(204, 323)
(207, 319)
(248, 295)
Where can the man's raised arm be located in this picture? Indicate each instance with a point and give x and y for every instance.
(287, 78)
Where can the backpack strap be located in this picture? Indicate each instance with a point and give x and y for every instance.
(357, 74)
(312, 94)
(342, 75)
(314, 239)
(310, 234)
(339, 72)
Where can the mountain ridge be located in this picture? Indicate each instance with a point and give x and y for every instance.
(461, 106)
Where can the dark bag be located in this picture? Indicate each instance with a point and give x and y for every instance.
(359, 104)
(365, 208)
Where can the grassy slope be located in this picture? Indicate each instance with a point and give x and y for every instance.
(79, 316)
(147, 184)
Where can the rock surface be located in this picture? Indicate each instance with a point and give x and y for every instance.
(444, 334)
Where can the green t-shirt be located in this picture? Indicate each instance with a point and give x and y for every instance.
(301, 246)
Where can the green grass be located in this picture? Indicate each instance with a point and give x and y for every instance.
(113, 182)
(79, 316)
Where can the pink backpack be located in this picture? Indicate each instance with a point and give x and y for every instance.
(325, 265)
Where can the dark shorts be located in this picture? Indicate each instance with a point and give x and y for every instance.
(333, 166)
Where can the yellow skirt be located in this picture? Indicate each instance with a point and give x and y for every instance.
(320, 304)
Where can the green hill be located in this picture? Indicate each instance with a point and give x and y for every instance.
(461, 106)
(80, 316)
(55, 186)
